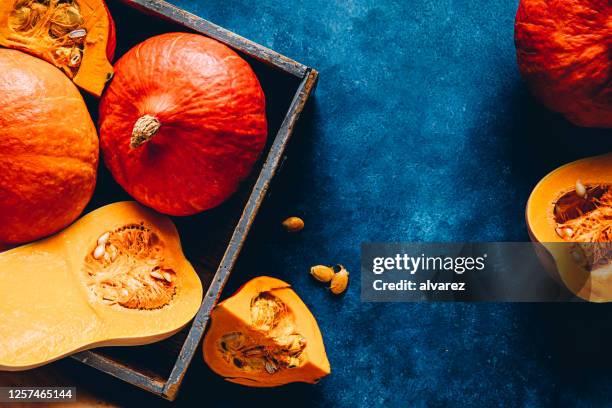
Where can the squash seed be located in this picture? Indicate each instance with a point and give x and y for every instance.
(80, 33)
(270, 367)
(340, 281)
(99, 252)
(104, 238)
(322, 273)
(157, 275)
(580, 189)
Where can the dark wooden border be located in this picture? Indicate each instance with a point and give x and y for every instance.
(169, 387)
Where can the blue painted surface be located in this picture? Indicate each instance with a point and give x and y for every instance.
(421, 130)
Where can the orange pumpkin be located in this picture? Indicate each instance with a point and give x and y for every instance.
(563, 51)
(182, 122)
(265, 336)
(77, 36)
(48, 149)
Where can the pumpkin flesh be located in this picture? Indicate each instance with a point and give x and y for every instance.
(56, 298)
(182, 123)
(77, 36)
(556, 214)
(265, 336)
(48, 149)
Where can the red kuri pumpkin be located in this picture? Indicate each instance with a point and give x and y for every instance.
(564, 51)
(182, 122)
(48, 149)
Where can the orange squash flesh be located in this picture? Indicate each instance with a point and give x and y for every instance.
(265, 336)
(57, 298)
(77, 36)
(592, 284)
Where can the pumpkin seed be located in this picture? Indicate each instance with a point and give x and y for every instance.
(80, 33)
(340, 281)
(580, 189)
(99, 252)
(322, 273)
(167, 277)
(75, 58)
(270, 367)
(293, 224)
(157, 275)
(103, 239)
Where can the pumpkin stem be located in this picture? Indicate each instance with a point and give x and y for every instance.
(144, 129)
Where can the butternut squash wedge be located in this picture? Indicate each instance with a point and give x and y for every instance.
(115, 277)
(570, 213)
(265, 336)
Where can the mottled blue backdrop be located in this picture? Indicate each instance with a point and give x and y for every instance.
(421, 130)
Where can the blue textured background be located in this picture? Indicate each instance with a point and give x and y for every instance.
(421, 130)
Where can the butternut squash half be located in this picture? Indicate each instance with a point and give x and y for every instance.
(116, 277)
(265, 336)
(570, 213)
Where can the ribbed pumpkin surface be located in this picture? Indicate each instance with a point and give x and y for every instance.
(203, 111)
(48, 149)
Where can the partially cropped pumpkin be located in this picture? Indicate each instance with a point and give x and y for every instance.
(115, 277)
(77, 36)
(570, 213)
(182, 122)
(48, 149)
(265, 336)
(564, 54)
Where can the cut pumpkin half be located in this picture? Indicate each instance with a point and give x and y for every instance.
(570, 213)
(116, 277)
(77, 36)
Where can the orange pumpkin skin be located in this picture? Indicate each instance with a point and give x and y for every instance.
(48, 149)
(204, 110)
(563, 50)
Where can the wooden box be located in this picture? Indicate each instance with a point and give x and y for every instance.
(212, 241)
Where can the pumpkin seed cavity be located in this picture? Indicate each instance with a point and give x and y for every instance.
(271, 346)
(126, 267)
(54, 28)
(584, 216)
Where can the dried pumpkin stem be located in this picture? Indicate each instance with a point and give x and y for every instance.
(144, 129)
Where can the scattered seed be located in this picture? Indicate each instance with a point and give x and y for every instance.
(322, 273)
(104, 238)
(157, 275)
(124, 292)
(293, 224)
(99, 252)
(107, 257)
(340, 281)
(167, 277)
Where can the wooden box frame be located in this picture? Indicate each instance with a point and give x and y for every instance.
(168, 386)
